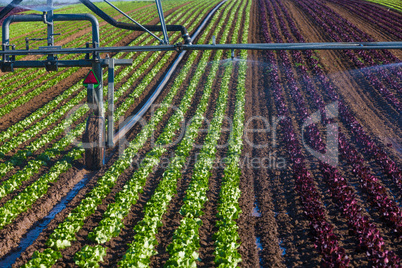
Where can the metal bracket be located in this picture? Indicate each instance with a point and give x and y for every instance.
(95, 55)
(7, 67)
(87, 54)
(52, 65)
(33, 39)
(44, 19)
(179, 47)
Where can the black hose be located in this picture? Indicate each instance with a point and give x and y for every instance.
(8, 8)
(128, 26)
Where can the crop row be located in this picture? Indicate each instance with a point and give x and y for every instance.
(146, 229)
(325, 239)
(331, 23)
(54, 79)
(227, 237)
(368, 235)
(65, 232)
(34, 165)
(33, 192)
(370, 149)
(386, 20)
(61, 127)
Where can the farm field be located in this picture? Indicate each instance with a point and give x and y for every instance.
(269, 159)
(389, 3)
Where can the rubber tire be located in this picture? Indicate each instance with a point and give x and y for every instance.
(94, 139)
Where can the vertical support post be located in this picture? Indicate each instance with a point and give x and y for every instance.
(50, 28)
(162, 19)
(91, 96)
(110, 97)
(97, 68)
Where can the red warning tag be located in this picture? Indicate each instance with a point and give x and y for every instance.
(91, 79)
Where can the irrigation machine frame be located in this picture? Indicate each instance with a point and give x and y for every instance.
(95, 134)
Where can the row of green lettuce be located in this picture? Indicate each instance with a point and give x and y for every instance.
(145, 239)
(227, 237)
(61, 127)
(65, 232)
(183, 251)
(33, 166)
(12, 209)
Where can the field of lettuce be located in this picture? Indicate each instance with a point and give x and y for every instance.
(270, 159)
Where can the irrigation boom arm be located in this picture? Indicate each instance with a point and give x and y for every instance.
(180, 47)
(9, 64)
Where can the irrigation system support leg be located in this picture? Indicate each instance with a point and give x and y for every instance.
(162, 20)
(93, 141)
(94, 136)
(110, 110)
(98, 108)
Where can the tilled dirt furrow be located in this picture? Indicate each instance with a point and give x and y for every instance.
(262, 171)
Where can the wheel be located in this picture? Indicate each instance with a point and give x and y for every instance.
(94, 143)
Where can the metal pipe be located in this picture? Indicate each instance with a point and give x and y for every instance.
(67, 63)
(128, 26)
(279, 46)
(56, 17)
(7, 9)
(48, 19)
(128, 17)
(129, 125)
(110, 97)
(162, 20)
(88, 17)
(299, 46)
